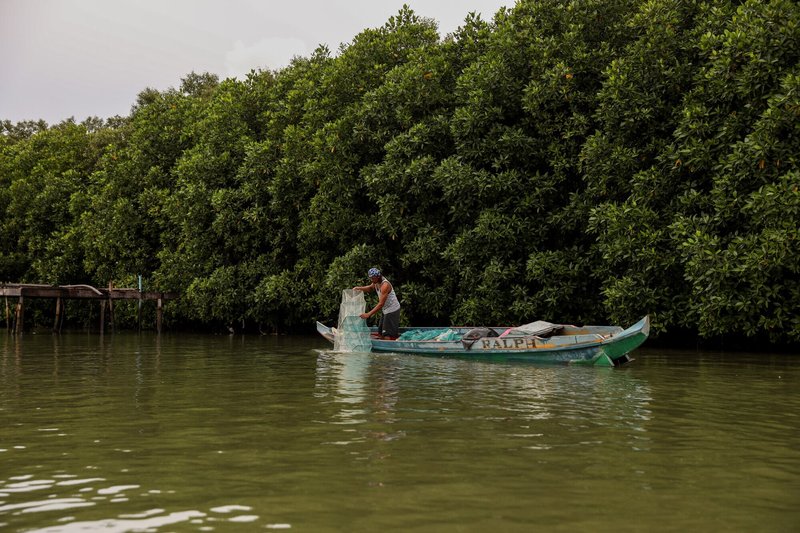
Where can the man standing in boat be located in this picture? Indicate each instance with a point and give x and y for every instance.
(389, 326)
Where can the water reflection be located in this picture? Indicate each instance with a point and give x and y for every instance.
(386, 396)
(363, 393)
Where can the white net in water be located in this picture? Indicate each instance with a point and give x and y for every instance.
(352, 333)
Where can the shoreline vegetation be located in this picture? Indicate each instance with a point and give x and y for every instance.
(585, 161)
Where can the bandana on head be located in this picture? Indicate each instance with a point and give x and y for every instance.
(373, 272)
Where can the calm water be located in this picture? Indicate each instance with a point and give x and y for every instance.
(203, 433)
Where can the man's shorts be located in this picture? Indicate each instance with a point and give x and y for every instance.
(390, 324)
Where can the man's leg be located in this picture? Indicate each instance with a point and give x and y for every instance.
(380, 325)
(390, 325)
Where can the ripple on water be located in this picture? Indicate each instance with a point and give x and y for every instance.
(150, 519)
(27, 486)
(230, 508)
(72, 482)
(116, 489)
(57, 504)
(120, 525)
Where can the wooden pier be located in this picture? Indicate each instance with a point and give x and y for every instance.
(59, 293)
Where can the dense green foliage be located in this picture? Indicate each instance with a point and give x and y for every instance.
(571, 160)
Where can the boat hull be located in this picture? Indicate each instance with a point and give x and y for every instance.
(591, 345)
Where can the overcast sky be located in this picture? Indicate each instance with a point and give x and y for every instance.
(64, 58)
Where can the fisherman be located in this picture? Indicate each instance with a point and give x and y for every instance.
(389, 325)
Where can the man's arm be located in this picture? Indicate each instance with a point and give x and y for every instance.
(384, 293)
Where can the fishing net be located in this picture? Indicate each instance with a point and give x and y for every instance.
(444, 334)
(352, 333)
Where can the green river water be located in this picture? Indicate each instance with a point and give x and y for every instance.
(208, 433)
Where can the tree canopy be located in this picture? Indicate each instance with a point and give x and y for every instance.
(570, 160)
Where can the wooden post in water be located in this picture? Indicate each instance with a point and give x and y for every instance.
(8, 315)
(139, 311)
(111, 305)
(159, 315)
(63, 314)
(56, 328)
(102, 316)
(20, 314)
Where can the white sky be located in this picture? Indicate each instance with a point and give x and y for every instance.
(63, 58)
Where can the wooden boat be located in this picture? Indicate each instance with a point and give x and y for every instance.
(541, 342)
